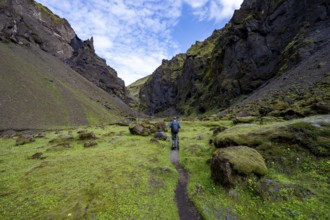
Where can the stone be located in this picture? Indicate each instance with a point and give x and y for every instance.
(37, 155)
(60, 146)
(90, 144)
(62, 138)
(87, 135)
(160, 135)
(24, 139)
(321, 108)
(218, 130)
(137, 129)
(145, 128)
(229, 166)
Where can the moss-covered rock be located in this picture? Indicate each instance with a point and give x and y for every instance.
(87, 135)
(311, 134)
(218, 129)
(145, 127)
(24, 139)
(244, 120)
(62, 138)
(230, 165)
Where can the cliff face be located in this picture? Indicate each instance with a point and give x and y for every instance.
(27, 22)
(263, 41)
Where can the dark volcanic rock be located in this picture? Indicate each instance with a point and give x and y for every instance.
(263, 40)
(160, 135)
(94, 68)
(139, 129)
(90, 144)
(321, 108)
(37, 155)
(145, 128)
(27, 22)
(87, 135)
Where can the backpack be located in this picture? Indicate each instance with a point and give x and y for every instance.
(175, 127)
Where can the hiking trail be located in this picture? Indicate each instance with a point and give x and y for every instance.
(187, 210)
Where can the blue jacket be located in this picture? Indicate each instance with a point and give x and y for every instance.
(174, 121)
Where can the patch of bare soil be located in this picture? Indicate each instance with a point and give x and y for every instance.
(187, 210)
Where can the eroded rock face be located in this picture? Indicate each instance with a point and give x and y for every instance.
(229, 166)
(262, 40)
(27, 23)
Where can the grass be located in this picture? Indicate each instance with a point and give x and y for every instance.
(123, 177)
(129, 177)
(45, 10)
(303, 188)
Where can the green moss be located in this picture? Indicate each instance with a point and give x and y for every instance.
(44, 9)
(306, 135)
(245, 160)
(293, 188)
(135, 87)
(3, 3)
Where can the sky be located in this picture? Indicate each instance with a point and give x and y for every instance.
(134, 36)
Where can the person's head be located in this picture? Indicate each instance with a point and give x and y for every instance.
(174, 118)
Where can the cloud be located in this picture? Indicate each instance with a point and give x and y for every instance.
(216, 10)
(135, 35)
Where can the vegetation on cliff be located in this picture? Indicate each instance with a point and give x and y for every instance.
(248, 57)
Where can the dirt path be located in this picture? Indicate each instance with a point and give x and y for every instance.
(187, 210)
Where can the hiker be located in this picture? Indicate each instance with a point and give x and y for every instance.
(175, 128)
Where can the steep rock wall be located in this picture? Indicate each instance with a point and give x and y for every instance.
(263, 40)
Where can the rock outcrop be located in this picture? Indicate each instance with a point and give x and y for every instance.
(27, 22)
(265, 41)
(145, 128)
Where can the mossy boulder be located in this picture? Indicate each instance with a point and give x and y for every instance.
(90, 144)
(145, 128)
(62, 138)
(244, 120)
(218, 130)
(160, 135)
(138, 129)
(24, 139)
(60, 146)
(311, 134)
(229, 166)
(321, 108)
(87, 135)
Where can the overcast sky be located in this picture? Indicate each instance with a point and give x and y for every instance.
(135, 35)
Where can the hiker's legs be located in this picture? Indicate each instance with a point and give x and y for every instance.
(174, 141)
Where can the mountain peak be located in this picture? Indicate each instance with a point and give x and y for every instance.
(30, 23)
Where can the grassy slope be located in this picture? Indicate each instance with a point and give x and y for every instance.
(123, 177)
(135, 87)
(39, 91)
